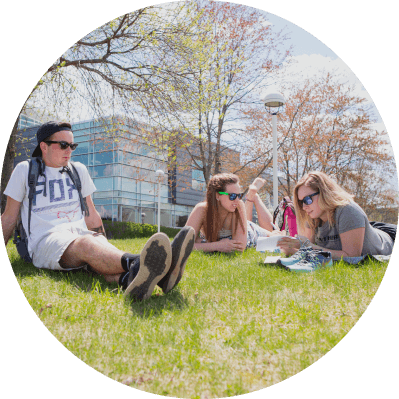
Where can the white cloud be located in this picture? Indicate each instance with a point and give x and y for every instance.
(305, 66)
(379, 126)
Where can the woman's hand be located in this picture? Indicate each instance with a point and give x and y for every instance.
(227, 245)
(277, 233)
(289, 245)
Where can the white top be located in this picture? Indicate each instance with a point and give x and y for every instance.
(58, 209)
(224, 233)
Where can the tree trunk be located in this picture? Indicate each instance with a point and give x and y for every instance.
(8, 164)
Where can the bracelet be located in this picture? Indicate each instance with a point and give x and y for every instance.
(246, 199)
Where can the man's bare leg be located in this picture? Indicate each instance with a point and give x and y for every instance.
(112, 278)
(104, 259)
(154, 262)
(265, 218)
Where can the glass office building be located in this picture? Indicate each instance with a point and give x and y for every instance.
(30, 118)
(122, 166)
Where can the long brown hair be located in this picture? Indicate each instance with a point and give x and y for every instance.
(331, 195)
(212, 222)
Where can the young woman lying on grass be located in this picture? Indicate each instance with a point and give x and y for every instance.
(223, 222)
(329, 218)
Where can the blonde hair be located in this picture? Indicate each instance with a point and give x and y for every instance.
(212, 222)
(331, 195)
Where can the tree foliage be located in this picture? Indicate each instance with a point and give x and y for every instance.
(135, 60)
(241, 51)
(192, 73)
(325, 126)
(127, 63)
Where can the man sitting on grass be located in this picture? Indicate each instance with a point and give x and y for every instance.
(62, 236)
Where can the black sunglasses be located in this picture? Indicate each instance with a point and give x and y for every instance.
(232, 196)
(63, 144)
(308, 199)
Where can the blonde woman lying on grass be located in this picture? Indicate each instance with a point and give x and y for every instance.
(330, 220)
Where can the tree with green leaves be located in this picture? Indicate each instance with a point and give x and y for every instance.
(137, 55)
(231, 71)
(326, 126)
(125, 65)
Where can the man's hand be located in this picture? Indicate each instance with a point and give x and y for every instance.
(9, 218)
(92, 217)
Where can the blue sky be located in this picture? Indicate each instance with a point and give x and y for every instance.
(305, 43)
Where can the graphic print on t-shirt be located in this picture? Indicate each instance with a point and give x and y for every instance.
(61, 200)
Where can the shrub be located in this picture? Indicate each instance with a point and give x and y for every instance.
(134, 230)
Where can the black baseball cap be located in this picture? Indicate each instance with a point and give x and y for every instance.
(45, 131)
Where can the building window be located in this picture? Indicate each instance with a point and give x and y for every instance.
(197, 177)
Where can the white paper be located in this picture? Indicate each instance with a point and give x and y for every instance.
(269, 243)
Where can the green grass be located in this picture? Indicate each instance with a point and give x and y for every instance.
(233, 325)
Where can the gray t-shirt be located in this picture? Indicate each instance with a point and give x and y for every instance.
(349, 217)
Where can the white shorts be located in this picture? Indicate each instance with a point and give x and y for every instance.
(51, 247)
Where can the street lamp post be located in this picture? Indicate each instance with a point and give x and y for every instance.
(159, 174)
(273, 101)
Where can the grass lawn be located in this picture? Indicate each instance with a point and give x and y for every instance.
(232, 326)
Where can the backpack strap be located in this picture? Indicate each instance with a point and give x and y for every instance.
(275, 213)
(35, 169)
(74, 175)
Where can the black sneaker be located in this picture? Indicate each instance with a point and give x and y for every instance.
(182, 245)
(155, 260)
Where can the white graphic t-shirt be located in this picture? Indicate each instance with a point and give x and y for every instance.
(59, 208)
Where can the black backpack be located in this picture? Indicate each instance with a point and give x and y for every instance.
(36, 168)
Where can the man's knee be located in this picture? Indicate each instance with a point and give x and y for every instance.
(72, 256)
(85, 241)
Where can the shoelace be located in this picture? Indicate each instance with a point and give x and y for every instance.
(302, 252)
(311, 258)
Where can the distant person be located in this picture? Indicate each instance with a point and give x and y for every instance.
(330, 220)
(222, 223)
(62, 236)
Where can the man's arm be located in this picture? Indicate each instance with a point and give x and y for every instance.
(92, 217)
(9, 218)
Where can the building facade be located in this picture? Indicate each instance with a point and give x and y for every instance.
(31, 116)
(122, 165)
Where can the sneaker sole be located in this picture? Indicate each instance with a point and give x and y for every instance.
(155, 261)
(184, 247)
(301, 270)
(281, 265)
(288, 263)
